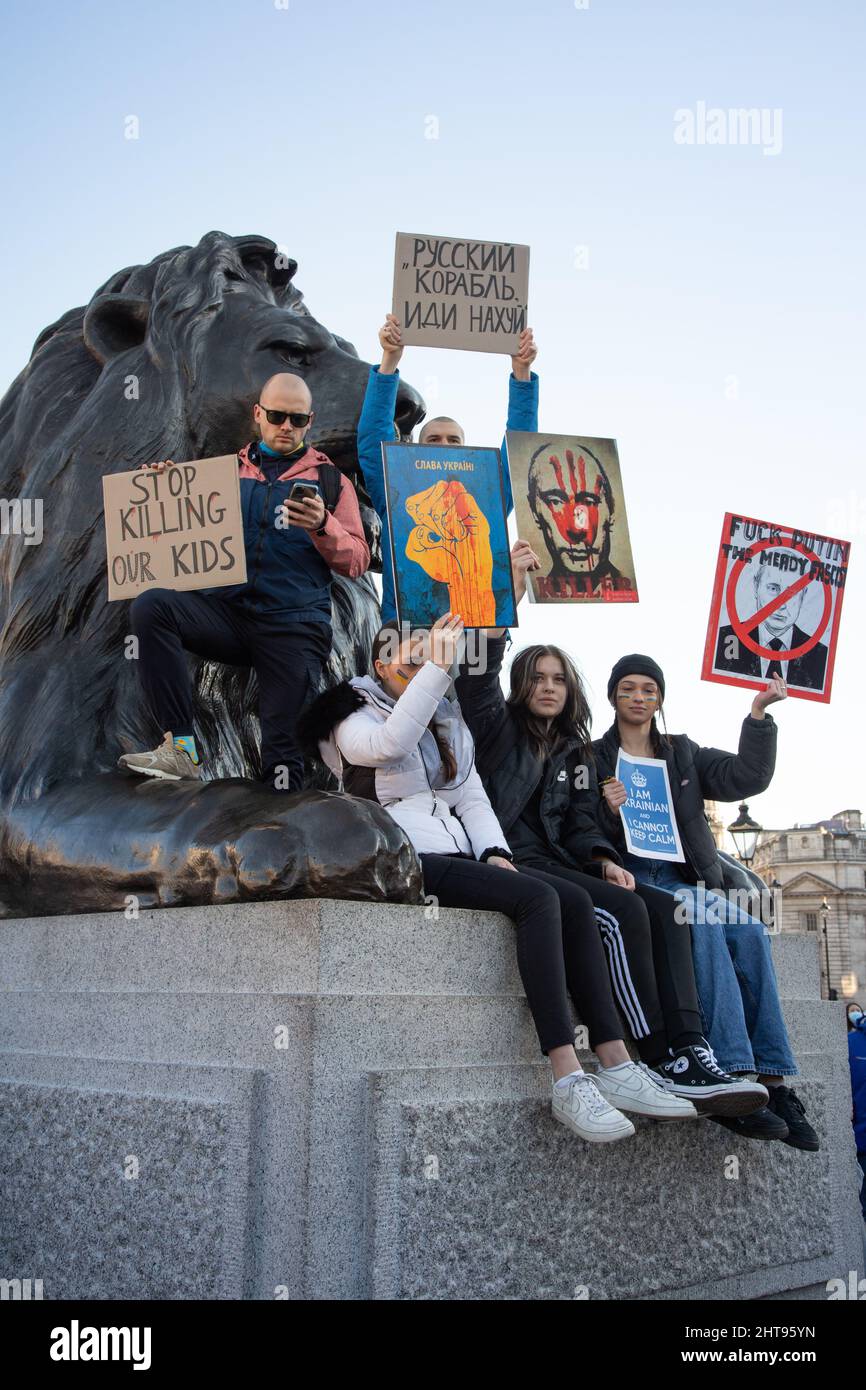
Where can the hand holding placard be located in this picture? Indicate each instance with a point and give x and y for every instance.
(777, 690)
(174, 526)
(391, 343)
(522, 360)
(614, 793)
(523, 561)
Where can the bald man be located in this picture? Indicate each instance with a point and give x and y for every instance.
(301, 526)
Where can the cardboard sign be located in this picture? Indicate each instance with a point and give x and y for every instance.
(647, 816)
(460, 294)
(569, 505)
(449, 538)
(180, 529)
(777, 601)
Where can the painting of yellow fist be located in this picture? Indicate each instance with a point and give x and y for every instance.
(451, 542)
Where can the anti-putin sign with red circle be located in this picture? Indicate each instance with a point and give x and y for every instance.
(776, 606)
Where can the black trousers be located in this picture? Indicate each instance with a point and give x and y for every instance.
(287, 659)
(650, 956)
(559, 949)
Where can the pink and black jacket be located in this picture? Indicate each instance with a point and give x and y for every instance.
(289, 570)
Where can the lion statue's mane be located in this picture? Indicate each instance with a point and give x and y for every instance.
(164, 362)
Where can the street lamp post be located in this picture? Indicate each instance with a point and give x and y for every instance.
(776, 890)
(744, 832)
(825, 916)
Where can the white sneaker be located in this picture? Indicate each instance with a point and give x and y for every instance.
(582, 1108)
(632, 1086)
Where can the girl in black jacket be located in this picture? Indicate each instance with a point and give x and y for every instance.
(733, 962)
(533, 754)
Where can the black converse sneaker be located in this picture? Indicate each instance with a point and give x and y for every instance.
(694, 1072)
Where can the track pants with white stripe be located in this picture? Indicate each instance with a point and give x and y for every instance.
(559, 949)
(649, 957)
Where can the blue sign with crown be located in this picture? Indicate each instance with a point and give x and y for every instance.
(648, 813)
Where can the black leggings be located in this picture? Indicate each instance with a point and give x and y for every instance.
(559, 949)
(650, 958)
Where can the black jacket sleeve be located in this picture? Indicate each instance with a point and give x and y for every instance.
(730, 776)
(582, 831)
(479, 693)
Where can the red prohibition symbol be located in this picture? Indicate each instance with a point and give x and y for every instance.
(742, 628)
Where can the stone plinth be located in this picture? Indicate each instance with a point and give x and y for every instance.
(342, 1100)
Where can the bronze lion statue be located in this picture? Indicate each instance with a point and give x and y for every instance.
(164, 362)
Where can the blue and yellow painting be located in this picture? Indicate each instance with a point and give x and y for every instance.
(449, 537)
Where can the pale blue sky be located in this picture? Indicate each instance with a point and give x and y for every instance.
(713, 272)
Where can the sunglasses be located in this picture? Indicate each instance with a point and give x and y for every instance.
(279, 417)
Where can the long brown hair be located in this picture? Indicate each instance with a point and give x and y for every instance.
(385, 637)
(574, 721)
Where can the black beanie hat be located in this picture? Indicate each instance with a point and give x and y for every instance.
(636, 665)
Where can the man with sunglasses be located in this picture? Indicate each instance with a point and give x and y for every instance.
(302, 525)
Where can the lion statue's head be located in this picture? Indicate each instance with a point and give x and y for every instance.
(166, 361)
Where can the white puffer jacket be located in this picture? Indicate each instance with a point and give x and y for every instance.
(392, 736)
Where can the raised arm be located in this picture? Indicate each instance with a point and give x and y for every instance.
(482, 702)
(376, 423)
(522, 402)
(729, 776)
(365, 742)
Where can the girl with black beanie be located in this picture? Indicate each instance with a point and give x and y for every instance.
(733, 962)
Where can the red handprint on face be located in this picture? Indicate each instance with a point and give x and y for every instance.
(576, 517)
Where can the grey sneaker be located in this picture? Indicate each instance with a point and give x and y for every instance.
(166, 761)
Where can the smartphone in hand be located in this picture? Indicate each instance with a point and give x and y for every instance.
(304, 490)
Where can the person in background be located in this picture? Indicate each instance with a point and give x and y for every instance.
(857, 1060)
(733, 961)
(395, 738)
(376, 426)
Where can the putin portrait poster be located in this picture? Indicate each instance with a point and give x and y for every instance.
(569, 505)
(449, 537)
(775, 610)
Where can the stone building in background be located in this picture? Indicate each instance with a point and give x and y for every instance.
(716, 824)
(822, 872)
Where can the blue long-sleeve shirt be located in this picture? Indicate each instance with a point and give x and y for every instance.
(376, 426)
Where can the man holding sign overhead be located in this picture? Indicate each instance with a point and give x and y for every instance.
(301, 525)
(376, 427)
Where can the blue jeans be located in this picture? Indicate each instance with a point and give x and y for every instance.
(734, 975)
